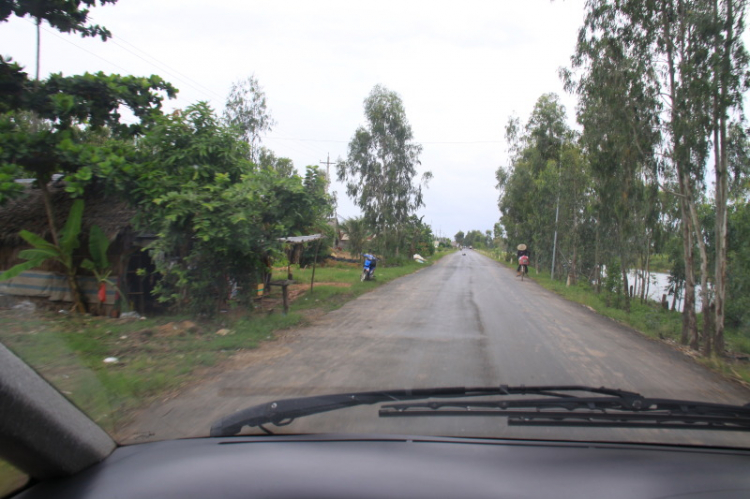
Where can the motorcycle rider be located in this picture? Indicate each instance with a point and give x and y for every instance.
(370, 264)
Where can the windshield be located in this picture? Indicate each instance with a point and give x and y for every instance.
(210, 206)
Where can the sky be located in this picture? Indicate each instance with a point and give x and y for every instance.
(461, 69)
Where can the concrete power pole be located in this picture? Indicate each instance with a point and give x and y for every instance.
(328, 164)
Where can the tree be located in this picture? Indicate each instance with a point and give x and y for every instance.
(690, 54)
(267, 159)
(67, 16)
(356, 231)
(730, 62)
(381, 166)
(47, 127)
(544, 188)
(618, 108)
(459, 238)
(218, 216)
(246, 109)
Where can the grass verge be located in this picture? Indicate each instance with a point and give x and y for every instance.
(651, 320)
(158, 355)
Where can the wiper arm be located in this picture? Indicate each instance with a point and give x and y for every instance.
(283, 412)
(623, 410)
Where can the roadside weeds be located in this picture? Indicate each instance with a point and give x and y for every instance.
(152, 358)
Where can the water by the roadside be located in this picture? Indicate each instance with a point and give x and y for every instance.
(660, 286)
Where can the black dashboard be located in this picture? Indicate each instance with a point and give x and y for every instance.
(393, 466)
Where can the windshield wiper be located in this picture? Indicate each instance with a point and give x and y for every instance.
(282, 412)
(600, 407)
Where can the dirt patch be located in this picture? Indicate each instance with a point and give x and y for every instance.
(295, 292)
(177, 328)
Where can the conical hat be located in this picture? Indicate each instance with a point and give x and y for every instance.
(521, 247)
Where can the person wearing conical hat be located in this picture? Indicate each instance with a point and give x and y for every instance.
(522, 253)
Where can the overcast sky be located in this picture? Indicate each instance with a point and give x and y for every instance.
(461, 68)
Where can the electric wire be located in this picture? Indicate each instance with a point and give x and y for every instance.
(184, 79)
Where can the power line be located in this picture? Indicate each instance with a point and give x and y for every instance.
(184, 79)
(114, 39)
(430, 142)
(78, 46)
(164, 66)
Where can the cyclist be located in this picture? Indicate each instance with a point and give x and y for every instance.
(523, 259)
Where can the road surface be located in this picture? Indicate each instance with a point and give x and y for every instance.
(465, 321)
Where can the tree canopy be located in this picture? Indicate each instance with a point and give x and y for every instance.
(381, 167)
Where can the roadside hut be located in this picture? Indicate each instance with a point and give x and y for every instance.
(27, 212)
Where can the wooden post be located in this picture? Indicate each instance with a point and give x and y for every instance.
(315, 262)
(285, 295)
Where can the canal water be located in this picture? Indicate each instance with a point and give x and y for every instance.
(660, 286)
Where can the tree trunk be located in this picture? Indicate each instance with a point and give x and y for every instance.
(721, 162)
(48, 209)
(75, 292)
(624, 271)
(689, 321)
(647, 284)
(705, 301)
(597, 262)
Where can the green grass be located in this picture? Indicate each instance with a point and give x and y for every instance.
(11, 479)
(154, 358)
(329, 297)
(649, 318)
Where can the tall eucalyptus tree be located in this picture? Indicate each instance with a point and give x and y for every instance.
(381, 166)
(618, 108)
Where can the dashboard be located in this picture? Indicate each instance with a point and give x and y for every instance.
(395, 466)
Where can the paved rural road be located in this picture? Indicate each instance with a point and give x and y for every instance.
(465, 321)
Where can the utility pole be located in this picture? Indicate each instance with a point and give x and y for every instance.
(38, 44)
(557, 211)
(328, 164)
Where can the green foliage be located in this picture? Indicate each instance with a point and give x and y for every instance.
(459, 237)
(356, 230)
(548, 170)
(738, 272)
(246, 110)
(417, 238)
(68, 16)
(381, 166)
(43, 251)
(218, 216)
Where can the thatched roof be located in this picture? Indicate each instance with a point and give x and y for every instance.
(27, 212)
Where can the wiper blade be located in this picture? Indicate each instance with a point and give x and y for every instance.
(623, 410)
(560, 407)
(283, 412)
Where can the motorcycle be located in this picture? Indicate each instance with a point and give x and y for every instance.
(368, 271)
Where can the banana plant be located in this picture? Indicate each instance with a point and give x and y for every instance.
(43, 251)
(99, 264)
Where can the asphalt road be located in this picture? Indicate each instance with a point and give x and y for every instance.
(465, 321)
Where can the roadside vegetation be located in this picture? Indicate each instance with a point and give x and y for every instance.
(215, 207)
(110, 367)
(655, 178)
